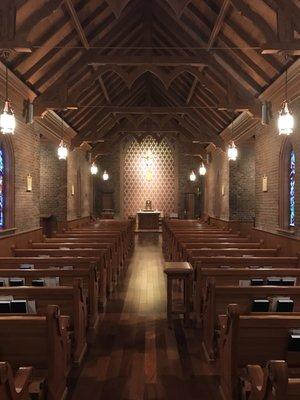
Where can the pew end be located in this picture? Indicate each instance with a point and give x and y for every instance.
(272, 382)
(14, 387)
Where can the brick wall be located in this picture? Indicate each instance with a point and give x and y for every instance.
(242, 183)
(267, 161)
(78, 164)
(27, 161)
(53, 182)
(217, 186)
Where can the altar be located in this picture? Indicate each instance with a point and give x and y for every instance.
(148, 220)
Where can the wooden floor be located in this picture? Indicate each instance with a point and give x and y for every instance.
(135, 355)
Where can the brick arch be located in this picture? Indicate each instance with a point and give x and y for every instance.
(162, 189)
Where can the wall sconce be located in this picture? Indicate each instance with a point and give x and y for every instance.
(29, 183)
(265, 183)
(72, 190)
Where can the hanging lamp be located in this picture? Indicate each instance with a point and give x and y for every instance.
(232, 151)
(285, 119)
(105, 176)
(7, 117)
(62, 150)
(192, 176)
(94, 169)
(202, 169)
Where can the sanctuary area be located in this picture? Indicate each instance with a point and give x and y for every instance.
(149, 199)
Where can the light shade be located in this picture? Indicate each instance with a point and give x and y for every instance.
(192, 176)
(7, 119)
(94, 169)
(285, 120)
(202, 169)
(232, 152)
(105, 176)
(62, 151)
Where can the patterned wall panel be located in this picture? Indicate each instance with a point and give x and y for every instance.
(149, 173)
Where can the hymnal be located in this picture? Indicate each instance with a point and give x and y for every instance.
(274, 281)
(27, 266)
(16, 282)
(18, 306)
(38, 282)
(288, 281)
(274, 301)
(257, 282)
(260, 305)
(284, 305)
(4, 306)
(294, 340)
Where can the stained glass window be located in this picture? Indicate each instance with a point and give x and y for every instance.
(292, 172)
(1, 188)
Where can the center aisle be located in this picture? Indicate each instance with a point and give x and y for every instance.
(135, 355)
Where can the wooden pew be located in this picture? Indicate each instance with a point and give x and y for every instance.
(53, 262)
(14, 386)
(175, 248)
(232, 276)
(100, 255)
(243, 262)
(217, 298)
(71, 301)
(184, 247)
(104, 238)
(88, 276)
(272, 382)
(112, 259)
(249, 339)
(192, 254)
(39, 341)
(117, 258)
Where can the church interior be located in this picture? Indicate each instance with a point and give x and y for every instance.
(149, 199)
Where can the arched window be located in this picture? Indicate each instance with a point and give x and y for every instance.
(292, 173)
(2, 197)
(6, 183)
(287, 182)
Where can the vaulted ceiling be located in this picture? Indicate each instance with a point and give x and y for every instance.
(169, 67)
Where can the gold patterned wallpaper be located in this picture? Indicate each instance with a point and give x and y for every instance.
(149, 173)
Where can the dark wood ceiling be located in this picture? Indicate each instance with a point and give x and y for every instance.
(161, 65)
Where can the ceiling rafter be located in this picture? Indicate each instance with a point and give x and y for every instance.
(84, 41)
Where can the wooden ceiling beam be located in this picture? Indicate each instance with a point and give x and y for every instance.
(17, 40)
(84, 40)
(144, 60)
(69, 76)
(218, 24)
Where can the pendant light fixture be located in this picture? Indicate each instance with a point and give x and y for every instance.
(232, 151)
(94, 169)
(62, 150)
(285, 119)
(192, 176)
(105, 176)
(202, 169)
(7, 118)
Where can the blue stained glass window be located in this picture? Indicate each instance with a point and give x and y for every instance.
(292, 173)
(1, 188)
